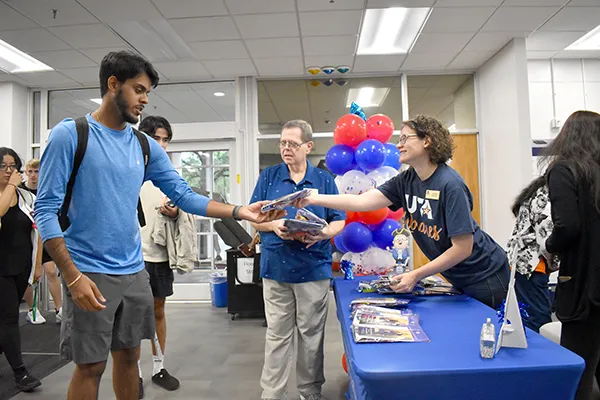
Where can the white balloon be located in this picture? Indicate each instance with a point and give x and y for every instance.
(356, 259)
(338, 182)
(378, 260)
(356, 182)
(382, 174)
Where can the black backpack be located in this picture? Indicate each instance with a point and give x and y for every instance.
(82, 139)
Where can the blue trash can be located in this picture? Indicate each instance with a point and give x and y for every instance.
(218, 290)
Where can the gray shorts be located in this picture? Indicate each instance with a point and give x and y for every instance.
(88, 337)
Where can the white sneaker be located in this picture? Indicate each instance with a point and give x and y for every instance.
(39, 319)
(59, 316)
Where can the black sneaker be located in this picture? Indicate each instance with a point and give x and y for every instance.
(27, 383)
(165, 380)
(141, 389)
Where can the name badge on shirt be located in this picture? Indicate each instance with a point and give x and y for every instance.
(432, 195)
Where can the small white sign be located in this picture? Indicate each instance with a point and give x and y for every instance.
(245, 270)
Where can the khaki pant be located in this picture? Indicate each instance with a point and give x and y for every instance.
(301, 308)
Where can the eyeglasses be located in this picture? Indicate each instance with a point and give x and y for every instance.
(404, 138)
(4, 167)
(289, 144)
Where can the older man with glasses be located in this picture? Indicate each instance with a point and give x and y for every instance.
(296, 274)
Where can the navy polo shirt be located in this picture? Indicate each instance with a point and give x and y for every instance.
(289, 260)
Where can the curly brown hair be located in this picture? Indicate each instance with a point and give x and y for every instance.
(442, 144)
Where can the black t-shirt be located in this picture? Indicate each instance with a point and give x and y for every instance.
(438, 209)
(16, 248)
(24, 186)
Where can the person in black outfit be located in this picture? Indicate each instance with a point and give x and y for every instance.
(18, 242)
(574, 188)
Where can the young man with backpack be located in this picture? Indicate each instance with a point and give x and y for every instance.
(91, 174)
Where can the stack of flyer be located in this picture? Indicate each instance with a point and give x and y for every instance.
(372, 324)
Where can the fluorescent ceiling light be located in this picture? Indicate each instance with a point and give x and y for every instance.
(391, 30)
(589, 41)
(97, 101)
(14, 61)
(219, 94)
(366, 96)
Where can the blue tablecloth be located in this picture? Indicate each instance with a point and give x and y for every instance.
(449, 367)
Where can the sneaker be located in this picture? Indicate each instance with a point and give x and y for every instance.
(165, 380)
(39, 319)
(27, 383)
(59, 315)
(141, 389)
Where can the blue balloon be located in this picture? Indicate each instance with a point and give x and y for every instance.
(357, 237)
(339, 244)
(340, 159)
(383, 234)
(370, 154)
(392, 156)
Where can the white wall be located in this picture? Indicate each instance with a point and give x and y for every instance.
(464, 106)
(576, 85)
(505, 138)
(14, 107)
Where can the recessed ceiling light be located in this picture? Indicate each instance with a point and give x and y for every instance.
(14, 61)
(589, 41)
(391, 30)
(219, 94)
(97, 101)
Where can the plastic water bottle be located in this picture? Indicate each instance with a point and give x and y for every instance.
(487, 341)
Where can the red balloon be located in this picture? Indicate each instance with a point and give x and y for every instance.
(373, 217)
(350, 130)
(380, 127)
(396, 215)
(351, 217)
(344, 363)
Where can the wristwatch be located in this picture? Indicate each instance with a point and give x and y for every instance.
(236, 213)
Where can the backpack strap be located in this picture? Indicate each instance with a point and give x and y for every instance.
(81, 124)
(143, 139)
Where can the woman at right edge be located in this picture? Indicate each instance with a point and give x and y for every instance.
(573, 160)
(438, 205)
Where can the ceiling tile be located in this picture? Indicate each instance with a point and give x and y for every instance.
(69, 12)
(98, 54)
(583, 3)
(47, 79)
(190, 8)
(219, 50)
(11, 19)
(540, 55)
(491, 41)
(427, 61)
(32, 40)
(180, 70)
(378, 63)
(87, 36)
(259, 6)
(267, 25)
(442, 42)
(574, 18)
(64, 59)
(83, 75)
(586, 54)
(521, 3)
(268, 48)
(226, 68)
(330, 23)
(399, 3)
(205, 29)
(324, 61)
(470, 59)
(467, 3)
(329, 45)
(456, 19)
(518, 19)
(119, 10)
(320, 5)
(551, 40)
(279, 66)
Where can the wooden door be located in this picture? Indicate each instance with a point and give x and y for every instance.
(466, 163)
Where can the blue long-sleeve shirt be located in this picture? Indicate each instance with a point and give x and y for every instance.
(104, 236)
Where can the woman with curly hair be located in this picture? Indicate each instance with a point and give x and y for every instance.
(438, 204)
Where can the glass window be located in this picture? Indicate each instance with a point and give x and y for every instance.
(36, 153)
(450, 98)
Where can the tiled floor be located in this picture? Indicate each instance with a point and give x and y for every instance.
(213, 357)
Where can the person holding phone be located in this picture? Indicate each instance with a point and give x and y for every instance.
(20, 261)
